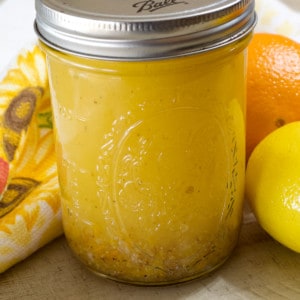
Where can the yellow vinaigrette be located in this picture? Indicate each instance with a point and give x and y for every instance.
(151, 161)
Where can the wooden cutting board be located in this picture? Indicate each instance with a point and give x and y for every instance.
(259, 268)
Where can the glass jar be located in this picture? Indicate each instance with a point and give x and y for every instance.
(149, 113)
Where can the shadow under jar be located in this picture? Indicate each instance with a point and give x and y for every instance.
(148, 101)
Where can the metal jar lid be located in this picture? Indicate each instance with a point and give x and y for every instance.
(139, 30)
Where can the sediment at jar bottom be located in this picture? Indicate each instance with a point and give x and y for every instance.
(160, 264)
(165, 282)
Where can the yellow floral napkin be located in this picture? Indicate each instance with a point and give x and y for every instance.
(30, 214)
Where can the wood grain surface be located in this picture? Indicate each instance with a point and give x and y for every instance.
(259, 268)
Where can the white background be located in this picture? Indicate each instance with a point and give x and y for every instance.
(16, 29)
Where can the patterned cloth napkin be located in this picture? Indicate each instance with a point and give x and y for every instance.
(30, 213)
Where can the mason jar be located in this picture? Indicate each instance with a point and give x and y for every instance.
(148, 103)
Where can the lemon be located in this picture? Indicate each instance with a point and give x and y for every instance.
(273, 184)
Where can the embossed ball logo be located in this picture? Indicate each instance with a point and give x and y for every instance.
(151, 5)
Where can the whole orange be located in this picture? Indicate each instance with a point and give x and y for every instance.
(273, 85)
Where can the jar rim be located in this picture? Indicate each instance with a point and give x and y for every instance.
(139, 30)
